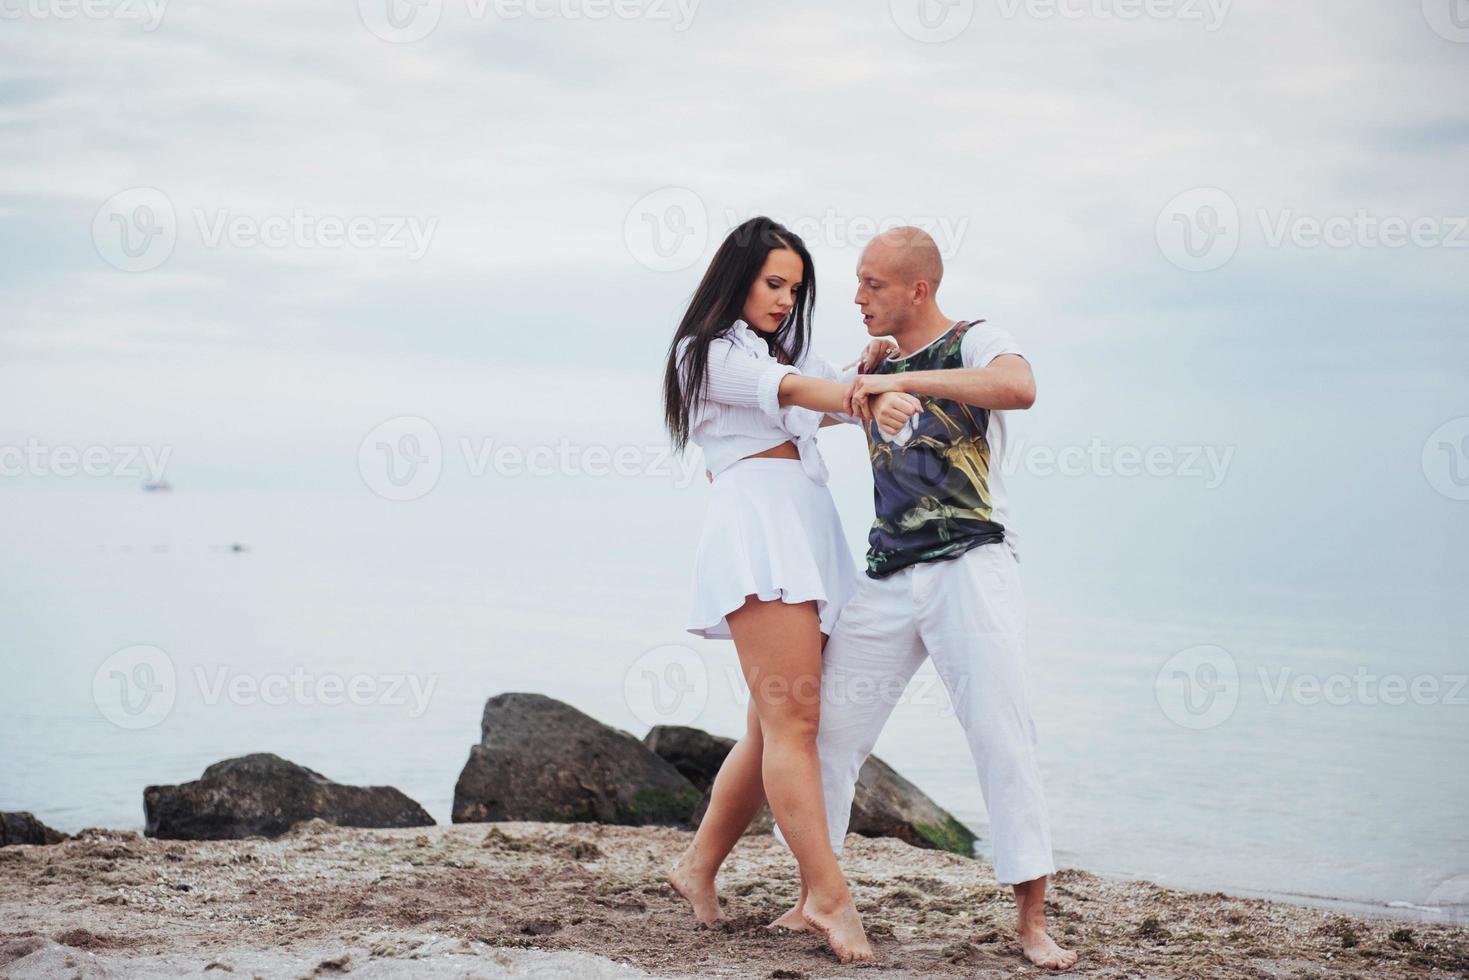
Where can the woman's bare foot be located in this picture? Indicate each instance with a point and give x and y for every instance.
(793, 920)
(842, 928)
(1042, 950)
(698, 890)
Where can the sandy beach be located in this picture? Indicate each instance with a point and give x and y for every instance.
(584, 900)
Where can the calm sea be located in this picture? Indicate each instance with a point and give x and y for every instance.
(1260, 738)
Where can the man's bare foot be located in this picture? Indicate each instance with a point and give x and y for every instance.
(792, 921)
(700, 893)
(1042, 950)
(842, 929)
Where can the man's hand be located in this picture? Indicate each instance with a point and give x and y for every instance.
(893, 409)
(872, 355)
(866, 387)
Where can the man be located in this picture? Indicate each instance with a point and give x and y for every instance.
(942, 576)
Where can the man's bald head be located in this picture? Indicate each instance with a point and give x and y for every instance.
(909, 255)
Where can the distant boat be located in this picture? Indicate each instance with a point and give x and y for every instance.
(162, 486)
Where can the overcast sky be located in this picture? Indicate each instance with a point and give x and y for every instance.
(255, 231)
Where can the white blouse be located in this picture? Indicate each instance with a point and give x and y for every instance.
(741, 412)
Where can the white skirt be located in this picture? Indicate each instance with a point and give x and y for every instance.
(772, 532)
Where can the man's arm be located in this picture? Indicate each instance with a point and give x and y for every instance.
(1005, 383)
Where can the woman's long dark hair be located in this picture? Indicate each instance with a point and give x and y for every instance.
(718, 303)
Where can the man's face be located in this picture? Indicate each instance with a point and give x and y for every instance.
(886, 301)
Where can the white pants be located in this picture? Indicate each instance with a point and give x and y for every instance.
(967, 615)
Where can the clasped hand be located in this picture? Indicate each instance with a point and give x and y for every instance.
(875, 398)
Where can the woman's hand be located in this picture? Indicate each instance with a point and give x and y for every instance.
(872, 355)
(893, 409)
(866, 387)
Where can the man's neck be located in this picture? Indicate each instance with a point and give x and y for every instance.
(924, 331)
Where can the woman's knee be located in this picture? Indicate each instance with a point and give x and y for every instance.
(791, 720)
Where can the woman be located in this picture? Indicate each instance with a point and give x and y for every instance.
(773, 569)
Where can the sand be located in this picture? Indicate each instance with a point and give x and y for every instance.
(544, 900)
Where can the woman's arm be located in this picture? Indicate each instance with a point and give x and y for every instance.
(817, 394)
(890, 410)
(734, 378)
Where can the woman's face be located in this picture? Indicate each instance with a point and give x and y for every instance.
(775, 291)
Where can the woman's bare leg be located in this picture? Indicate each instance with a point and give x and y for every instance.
(780, 646)
(794, 919)
(737, 795)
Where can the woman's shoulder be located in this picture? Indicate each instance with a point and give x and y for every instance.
(720, 342)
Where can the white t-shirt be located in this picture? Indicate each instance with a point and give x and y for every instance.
(981, 345)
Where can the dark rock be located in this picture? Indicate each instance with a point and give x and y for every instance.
(692, 751)
(264, 795)
(885, 805)
(539, 759)
(23, 828)
(698, 755)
